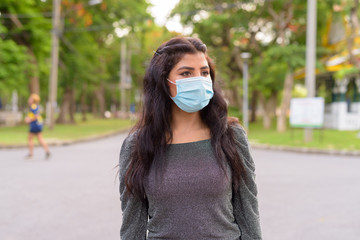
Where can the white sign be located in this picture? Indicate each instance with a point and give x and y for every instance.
(307, 112)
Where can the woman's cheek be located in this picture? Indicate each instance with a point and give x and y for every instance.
(173, 90)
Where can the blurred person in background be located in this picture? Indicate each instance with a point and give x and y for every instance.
(35, 122)
(185, 170)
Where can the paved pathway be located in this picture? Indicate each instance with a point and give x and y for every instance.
(308, 196)
(74, 196)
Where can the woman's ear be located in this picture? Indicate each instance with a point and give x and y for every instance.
(172, 88)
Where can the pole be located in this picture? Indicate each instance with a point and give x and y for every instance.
(54, 63)
(123, 75)
(310, 57)
(245, 56)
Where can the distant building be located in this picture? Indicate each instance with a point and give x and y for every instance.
(339, 79)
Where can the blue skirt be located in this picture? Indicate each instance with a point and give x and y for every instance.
(35, 127)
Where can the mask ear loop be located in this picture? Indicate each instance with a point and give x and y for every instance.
(175, 85)
(171, 81)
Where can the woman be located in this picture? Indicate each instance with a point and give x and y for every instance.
(35, 122)
(185, 170)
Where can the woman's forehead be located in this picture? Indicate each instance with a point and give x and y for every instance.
(193, 59)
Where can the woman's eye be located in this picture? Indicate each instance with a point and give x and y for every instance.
(206, 73)
(185, 74)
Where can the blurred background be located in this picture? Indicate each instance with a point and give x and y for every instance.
(289, 70)
(88, 58)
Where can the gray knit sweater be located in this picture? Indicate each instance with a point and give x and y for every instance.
(193, 198)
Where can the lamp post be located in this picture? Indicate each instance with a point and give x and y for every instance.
(245, 56)
(54, 63)
(310, 57)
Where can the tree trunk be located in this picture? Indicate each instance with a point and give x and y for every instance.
(235, 98)
(100, 96)
(254, 100)
(267, 115)
(273, 103)
(94, 107)
(266, 120)
(285, 103)
(72, 106)
(34, 84)
(83, 105)
(269, 106)
(65, 106)
(239, 64)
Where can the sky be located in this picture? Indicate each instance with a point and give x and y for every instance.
(161, 10)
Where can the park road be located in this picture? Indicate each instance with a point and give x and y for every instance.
(74, 195)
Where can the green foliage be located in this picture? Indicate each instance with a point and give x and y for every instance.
(269, 71)
(267, 76)
(292, 55)
(90, 45)
(244, 25)
(346, 72)
(24, 45)
(221, 25)
(90, 50)
(14, 64)
(299, 91)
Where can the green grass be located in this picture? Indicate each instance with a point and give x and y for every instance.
(322, 139)
(294, 137)
(92, 127)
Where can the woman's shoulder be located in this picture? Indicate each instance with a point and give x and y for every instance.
(128, 143)
(126, 150)
(238, 131)
(242, 144)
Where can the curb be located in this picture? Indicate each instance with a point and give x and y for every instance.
(305, 149)
(68, 142)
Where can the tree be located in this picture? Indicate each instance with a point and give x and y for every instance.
(14, 68)
(25, 24)
(292, 56)
(90, 67)
(228, 28)
(262, 28)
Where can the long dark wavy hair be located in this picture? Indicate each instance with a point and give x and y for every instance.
(153, 131)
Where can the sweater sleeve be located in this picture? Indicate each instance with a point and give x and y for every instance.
(245, 203)
(134, 211)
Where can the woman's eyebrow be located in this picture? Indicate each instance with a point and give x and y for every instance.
(191, 68)
(185, 67)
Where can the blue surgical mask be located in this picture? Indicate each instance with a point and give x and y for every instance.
(193, 94)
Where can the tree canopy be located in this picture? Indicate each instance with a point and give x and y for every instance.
(274, 32)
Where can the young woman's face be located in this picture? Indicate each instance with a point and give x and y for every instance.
(30, 100)
(191, 65)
